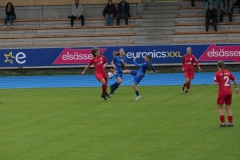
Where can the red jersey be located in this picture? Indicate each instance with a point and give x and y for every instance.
(98, 63)
(224, 81)
(188, 62)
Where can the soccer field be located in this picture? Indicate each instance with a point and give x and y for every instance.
(75, 123)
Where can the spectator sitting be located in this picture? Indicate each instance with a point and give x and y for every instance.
(211, 17)
(237, 3)
(226, 8)
(10, 14)
(213, 2)
(77, 10)
(123, 11)
(109, 12)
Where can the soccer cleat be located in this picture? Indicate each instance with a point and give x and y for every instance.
(104, 97)
(222, 125)
(107, 95)
(230, 125)
(138, 98)
(111, 89)
(182, 90)
(5, 26)
(186, 91)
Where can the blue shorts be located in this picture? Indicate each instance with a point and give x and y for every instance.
(118, 75)
(138, 76)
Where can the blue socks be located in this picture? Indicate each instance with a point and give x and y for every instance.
(115, 86)
(137, 93)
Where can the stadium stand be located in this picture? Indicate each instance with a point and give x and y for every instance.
(151, 23)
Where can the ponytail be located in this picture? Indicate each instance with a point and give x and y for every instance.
(221, 65)
(150, 62)
(115, 54)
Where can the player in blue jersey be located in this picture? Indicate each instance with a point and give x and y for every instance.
(139, 74)
(119, 62)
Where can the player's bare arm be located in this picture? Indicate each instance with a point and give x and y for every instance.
(112, 63)
(85, 69)
(236, 86)
(124, 64)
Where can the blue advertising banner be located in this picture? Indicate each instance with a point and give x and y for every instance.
(80, 56)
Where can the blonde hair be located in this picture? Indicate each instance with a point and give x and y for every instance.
(189, 48)
(122, 50)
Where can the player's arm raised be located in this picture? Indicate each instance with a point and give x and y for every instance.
(136, 64)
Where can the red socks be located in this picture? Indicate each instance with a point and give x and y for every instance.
(230, 119)
(222, 118)
(184, 84)
(104, 89)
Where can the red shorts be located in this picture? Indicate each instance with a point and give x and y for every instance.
(227, 99)
(100, 76)
(189, 74)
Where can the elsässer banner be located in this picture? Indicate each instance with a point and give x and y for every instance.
(80, 56)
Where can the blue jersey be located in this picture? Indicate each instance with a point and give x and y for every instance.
(118, 63)
(144, 67)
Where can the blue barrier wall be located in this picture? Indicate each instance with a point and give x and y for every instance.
(80, 56)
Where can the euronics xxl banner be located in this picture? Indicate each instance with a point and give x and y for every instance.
(80, 56)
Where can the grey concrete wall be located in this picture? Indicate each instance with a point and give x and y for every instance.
(46, 12)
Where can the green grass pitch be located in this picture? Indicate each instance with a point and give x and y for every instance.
(76, 124)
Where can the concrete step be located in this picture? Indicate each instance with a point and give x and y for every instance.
(65, 32)
(156, 24)
(202, 28)
(197, 3)
(65, 40)
(156, 8)
(163, 16)
(159, 33)
(202, 19)
(67, 23)
(177, 11)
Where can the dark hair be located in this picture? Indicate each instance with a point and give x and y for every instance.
(150, 62)
(94, 50)
(221, 65)
(12, 7)
(115, 54)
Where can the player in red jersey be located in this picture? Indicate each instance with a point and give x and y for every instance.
(223, 77)
(99, 62)
(188, 61)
